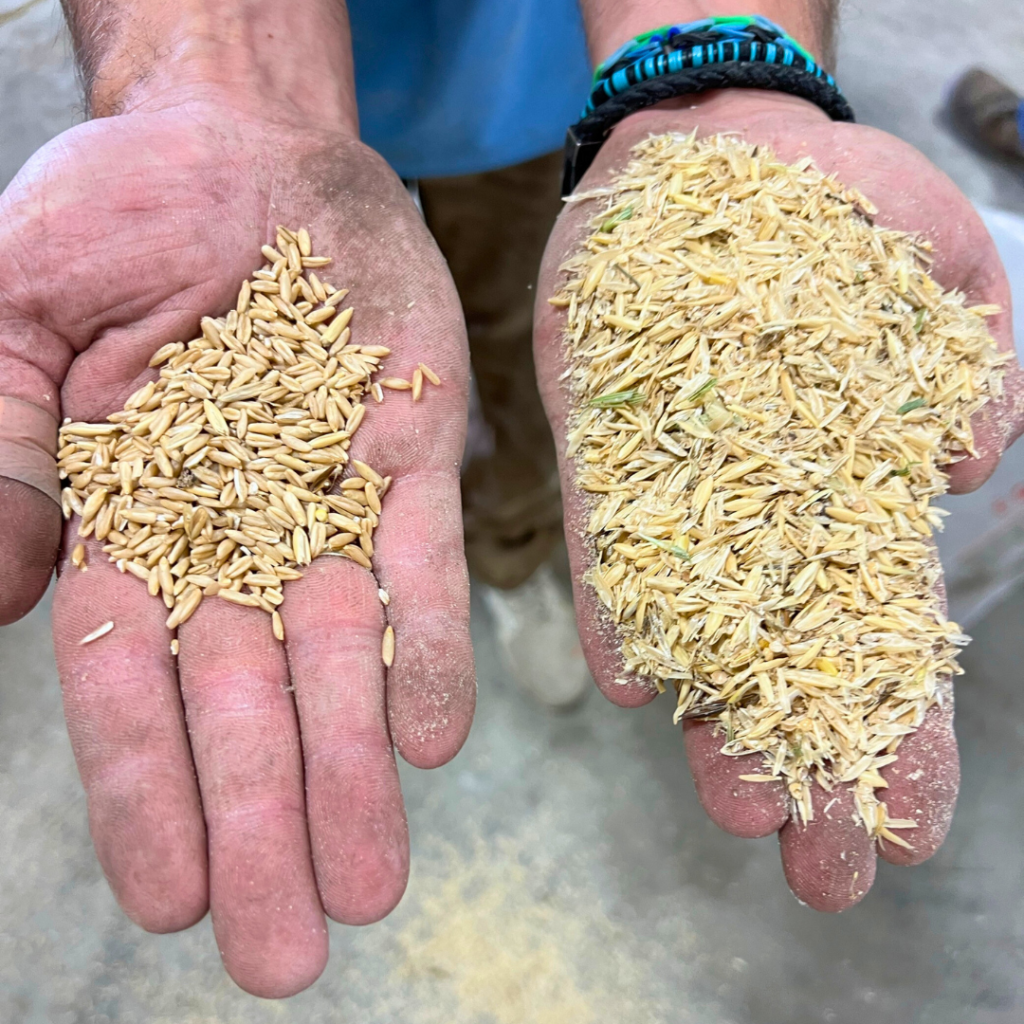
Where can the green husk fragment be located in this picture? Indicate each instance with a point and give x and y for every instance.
(703, 389)
(672, 549)
(914, 403)
(614, 398)
(622, 215)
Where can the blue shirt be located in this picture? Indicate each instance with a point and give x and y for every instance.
(460, 86)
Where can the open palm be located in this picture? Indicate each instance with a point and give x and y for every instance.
(830, 863)
(254, 778)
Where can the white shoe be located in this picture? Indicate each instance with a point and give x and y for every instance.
(536, 630)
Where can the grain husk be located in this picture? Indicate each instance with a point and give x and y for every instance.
(767, 389)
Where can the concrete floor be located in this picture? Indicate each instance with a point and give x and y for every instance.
(563, 871)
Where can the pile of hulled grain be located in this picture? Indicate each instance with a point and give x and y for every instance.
(767, 386)
(216, 478)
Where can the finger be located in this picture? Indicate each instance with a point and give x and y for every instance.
(33, 360)
(419, 563)
(999, 423)
(418, 558)
(127, 730)
(334, 622)
(746, 809)
(599, 638)
(245, 741)
(829, 862)
(29, 539)
(923, 786)
(598, 635)
(995, 427)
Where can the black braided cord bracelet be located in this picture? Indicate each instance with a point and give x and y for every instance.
(586, 137)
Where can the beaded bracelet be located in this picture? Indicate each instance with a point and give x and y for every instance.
(713, 53)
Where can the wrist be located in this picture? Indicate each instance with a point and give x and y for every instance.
(610, 23)
(725, 110)
(245, 53)
(735, 104)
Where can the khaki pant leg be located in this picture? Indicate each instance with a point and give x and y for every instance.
(492, 229)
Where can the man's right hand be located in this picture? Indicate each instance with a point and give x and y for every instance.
(209, 782)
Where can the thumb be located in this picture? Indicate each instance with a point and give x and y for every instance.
(29, 491)
(29, 539)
